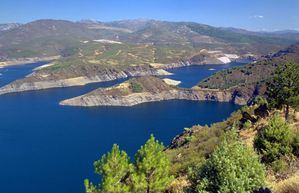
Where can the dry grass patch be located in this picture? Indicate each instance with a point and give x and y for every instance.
(290, 185)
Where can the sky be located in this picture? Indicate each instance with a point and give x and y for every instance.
(257, 15)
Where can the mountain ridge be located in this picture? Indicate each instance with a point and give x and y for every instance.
(48, 37)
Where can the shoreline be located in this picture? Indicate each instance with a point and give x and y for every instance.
(24, 61)
(20, 86)
(152, 89)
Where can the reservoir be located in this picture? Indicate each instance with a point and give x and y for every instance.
(47, 148)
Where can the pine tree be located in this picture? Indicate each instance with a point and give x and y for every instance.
(114, 168)
(274, 140)
(284, 87)
(294, 102)
(152, 173)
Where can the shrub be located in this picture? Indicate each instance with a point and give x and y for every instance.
(247, 124)
(260, 100)
(232, 167)
(245, 109)
(279, 165)
(274, 140)
(188, 154)
(136, 87)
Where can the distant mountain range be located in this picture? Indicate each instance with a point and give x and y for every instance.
(9, 26)
(55, 37)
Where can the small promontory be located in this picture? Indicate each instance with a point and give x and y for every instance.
(146, 89)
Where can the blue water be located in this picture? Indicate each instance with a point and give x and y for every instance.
(191, 75)
(12, 73)
(47, 148)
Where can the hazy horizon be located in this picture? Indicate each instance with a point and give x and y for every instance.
(151, 19)
(254, 15)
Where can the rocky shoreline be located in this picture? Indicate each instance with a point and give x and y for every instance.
(120, 96)
(23, 61)
(40, 80)
(139, 98)
(45, 77)
(37, 81)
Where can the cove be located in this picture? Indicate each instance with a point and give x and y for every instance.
(49, 148)
(191, 75)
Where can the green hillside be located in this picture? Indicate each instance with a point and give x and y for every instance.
(253, 73)
(57, 37)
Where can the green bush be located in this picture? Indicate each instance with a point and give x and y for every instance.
(136, 87)
(192, 149)
(274, 140)
(232, 167)
(260, 100)
(279, 165)
(245, 109)
(247, 124)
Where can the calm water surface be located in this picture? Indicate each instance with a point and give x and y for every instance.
(191, 75)
(47, 148)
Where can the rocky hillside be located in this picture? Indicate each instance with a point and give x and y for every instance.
(249, 80)
(189, 150)
(252, 73)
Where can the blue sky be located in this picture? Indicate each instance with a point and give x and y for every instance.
(249, 14)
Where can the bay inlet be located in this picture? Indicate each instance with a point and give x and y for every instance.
(48, 147)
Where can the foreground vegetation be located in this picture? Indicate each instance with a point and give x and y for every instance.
(149, 173)
(255, 150)
(232, 167)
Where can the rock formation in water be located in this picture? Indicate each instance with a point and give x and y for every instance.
(148, 89)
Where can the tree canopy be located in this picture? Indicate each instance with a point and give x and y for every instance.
(283, 89)
(152, 168)
(114, 167)
(150, 173)
(274, 140)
